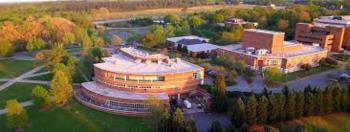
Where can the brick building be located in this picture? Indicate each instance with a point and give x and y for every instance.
(330, 32)
(262, 48)
(124, 82)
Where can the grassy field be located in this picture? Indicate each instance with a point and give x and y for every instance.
(48, 77)
(162, 12)
(75, 117)
(339, 122)
(19, 91)
(13, 68)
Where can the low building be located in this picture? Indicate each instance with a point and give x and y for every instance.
(195, 45)
(330, 32)
(124, 82)
(262, 48)
(238, 22)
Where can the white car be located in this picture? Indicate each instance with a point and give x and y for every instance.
(344, 76)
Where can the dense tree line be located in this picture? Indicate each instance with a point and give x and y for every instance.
(267, 107)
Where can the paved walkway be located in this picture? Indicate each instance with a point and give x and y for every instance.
(24, 104)
(24, 75)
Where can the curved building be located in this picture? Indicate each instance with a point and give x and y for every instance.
(124, 82)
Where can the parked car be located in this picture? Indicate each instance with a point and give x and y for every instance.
(344, 76)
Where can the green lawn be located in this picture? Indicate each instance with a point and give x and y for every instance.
(48, 77)
(339, 122)
(12, 68)
(301, 74)
(19, 91)
(75, 117)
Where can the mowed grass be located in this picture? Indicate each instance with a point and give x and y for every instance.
(12, 68)
(75, 117)
(78, 78)
(339, 122)
(20, 91)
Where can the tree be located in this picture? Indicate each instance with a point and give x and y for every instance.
(345, 99)
(337, 99)
(262, 110)
(96, 53)
(348, 64)
(99, 42)
(283, 24)
(299, 107)
(220, 100)
(191, 125)
(16, 115)
(172, 18)
(68, 38)
(185, 50)
(6, 48)
(251, 107)
(61, 88)
(86, 45)
(309, 106)
(328, 100)
(40, 97)
(35, 44)
(157, 109)
(238, 118)
(116, 40)
(178, 121)
(318, 100)
(217, 18)
(273, 108)
(233, 36)
(280, 101)
(195, 21)
(306, 67)
(155, 37)
(215, 127)
(273, 75)
(61, 67)
(290, 105)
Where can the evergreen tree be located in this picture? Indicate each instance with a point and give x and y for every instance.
(262, 110)
(191, 126)
(336, 99)
(184, 49)
(165, 123)
(290, 105)
(345, 99)
(273, 108)
(178, 123)
(16, 115)
(244, 128)
(309, 106)
(238, 118)
(251, 107)
(280, 104)
(215, 127)
(179, 47)
(318, 101)
(299, 107)
(328, 100)
(220, 99)
(61, 88)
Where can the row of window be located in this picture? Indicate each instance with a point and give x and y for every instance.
(126, 86)
(117, 105)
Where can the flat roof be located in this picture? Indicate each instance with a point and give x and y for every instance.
(202, 47)
(176, 39)
(114, 93)
(336, 20)
(123, 64)
(142, 54)
(264, 31)
(304, 50)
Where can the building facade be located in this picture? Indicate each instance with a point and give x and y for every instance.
(124, 82)
(330, 32)
(261, 49)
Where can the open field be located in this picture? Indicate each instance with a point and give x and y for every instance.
(339, 122)
(77, 118)
(162, 12)
(20, 91)
(12, 68)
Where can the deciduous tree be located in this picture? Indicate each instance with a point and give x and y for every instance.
(16, 115)
(6, 48)
(40, 97)
(61, 88)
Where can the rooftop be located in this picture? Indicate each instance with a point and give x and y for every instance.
(336, 20)
(202, 47)
(190, 41)
(264, 31)
(176, 39)
(304, 50)
(122, 63)
(136, 53)
(114, 93)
